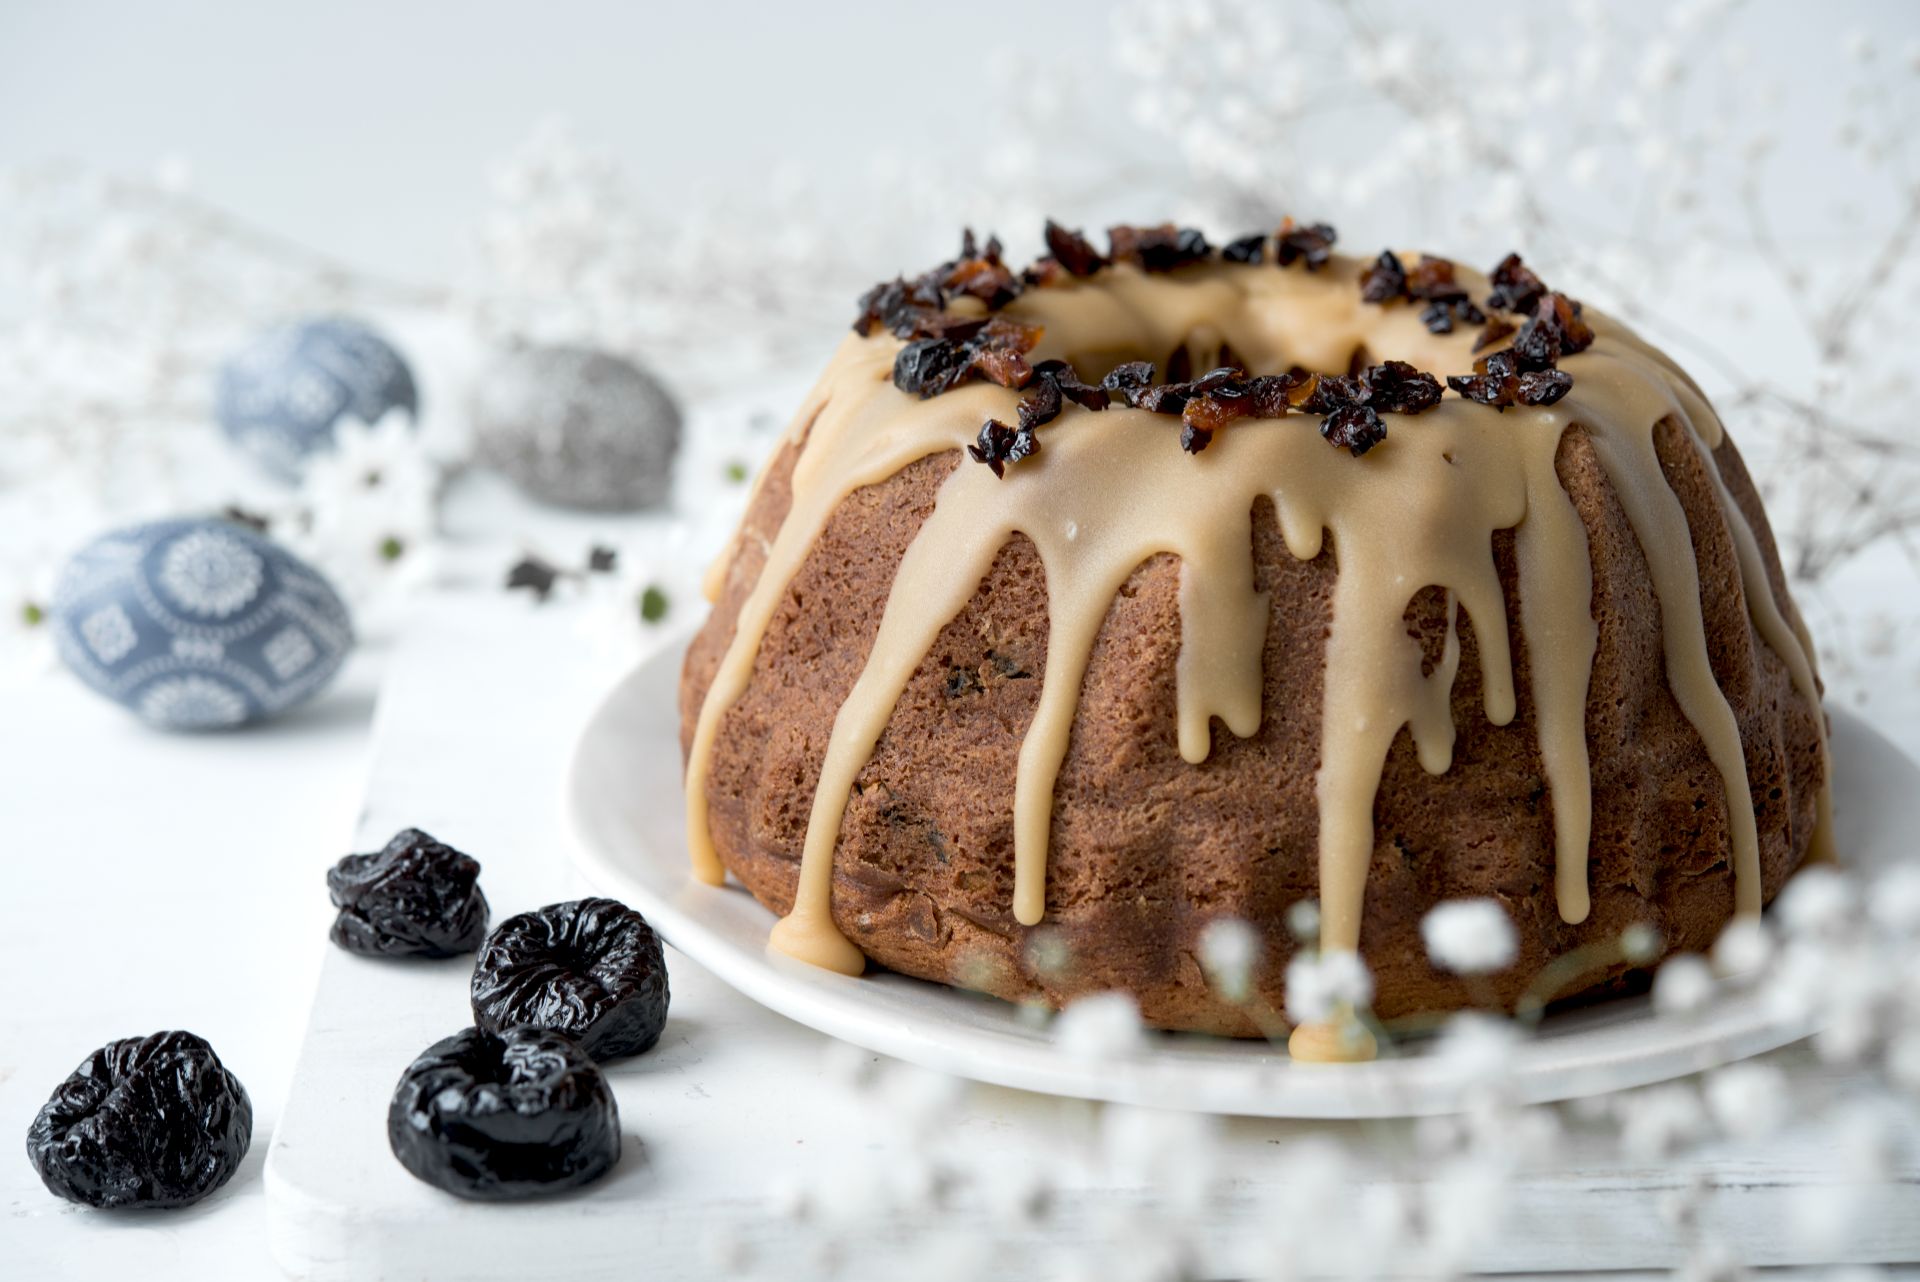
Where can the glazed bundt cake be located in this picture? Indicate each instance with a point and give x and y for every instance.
(1085, 605)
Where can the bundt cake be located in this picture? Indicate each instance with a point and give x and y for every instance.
(1085, 605)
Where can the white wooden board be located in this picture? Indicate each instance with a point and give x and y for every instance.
(740, 1117)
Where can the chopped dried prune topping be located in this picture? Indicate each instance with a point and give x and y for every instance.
(1440, 316)
(1313, 244)
(1355, 428)
(1496, 329)
(1062, 375)
(999, 352)
(1500, 380)
(1554, 330)
(1432, 279)
(497, 1116)
(145, 1121)
(899, 306)
(1515, 287)
(1544, 386)
(416, 898)
(590, 968)
(1129, 380)
(929, 366)
(1073, 251)
(1157, 249)
(999, 445)
(1247, 249)
(981, 273)
(1385, 280)
(1397, 387)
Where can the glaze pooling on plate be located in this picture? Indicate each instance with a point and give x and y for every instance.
(1109, 490)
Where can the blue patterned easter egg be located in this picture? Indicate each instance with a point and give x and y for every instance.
(280, 396)
(198, 624)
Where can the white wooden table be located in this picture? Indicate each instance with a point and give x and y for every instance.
(195, 867)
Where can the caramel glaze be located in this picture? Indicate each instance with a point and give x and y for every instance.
(1110, 490)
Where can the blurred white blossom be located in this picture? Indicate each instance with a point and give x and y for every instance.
(1469, 936)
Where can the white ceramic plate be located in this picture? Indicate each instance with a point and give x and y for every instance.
(627, 810)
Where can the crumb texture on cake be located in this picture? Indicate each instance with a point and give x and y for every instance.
(1031, 734)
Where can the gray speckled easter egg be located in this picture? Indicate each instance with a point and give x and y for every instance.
(198, 624)
(577, 427)
(279, 397)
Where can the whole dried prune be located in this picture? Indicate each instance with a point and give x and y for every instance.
(145, 1121)
(1313, 243)
(416, 898)
(496, 1116)
(1246, 249)
(1072, 250)
(590, 968)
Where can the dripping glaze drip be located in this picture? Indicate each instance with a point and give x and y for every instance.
(1110, 490)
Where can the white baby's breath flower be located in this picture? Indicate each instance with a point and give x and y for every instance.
(1818, 900)
(1100, 1029)
(1657, 1120)
(1229, 947)
(1476, 1048)
(1747, 1100)
(1303, 920)
(1640, 943)
(1469, 936)
(1894, 901)
(1743, 948)
(1683, 983)
(1320, 986)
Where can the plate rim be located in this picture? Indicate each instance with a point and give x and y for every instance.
(1231, 1077)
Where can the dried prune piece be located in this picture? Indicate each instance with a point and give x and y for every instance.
(1270, 395)
(984, 277)
(416, 898)
(1433, 279)
(1246, 249)
(1559, 316)
(497, 1116)
(899, 306)
(590, 968)
(999, 352)
(1325, 393)
(1063, 376)
(1515, 287)
(1385, 280)
(1157, 249)
(1073, 251)
(1543, 387)
(1313, 244)
(1495, 380)
(145, 1121)
(1356, 428)
(1397, 387)
(999, 445)
(927, 367)
(1128, 381)
(1496, 329)
(1441, 315)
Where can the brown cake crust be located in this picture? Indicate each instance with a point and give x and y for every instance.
(1147, 849)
